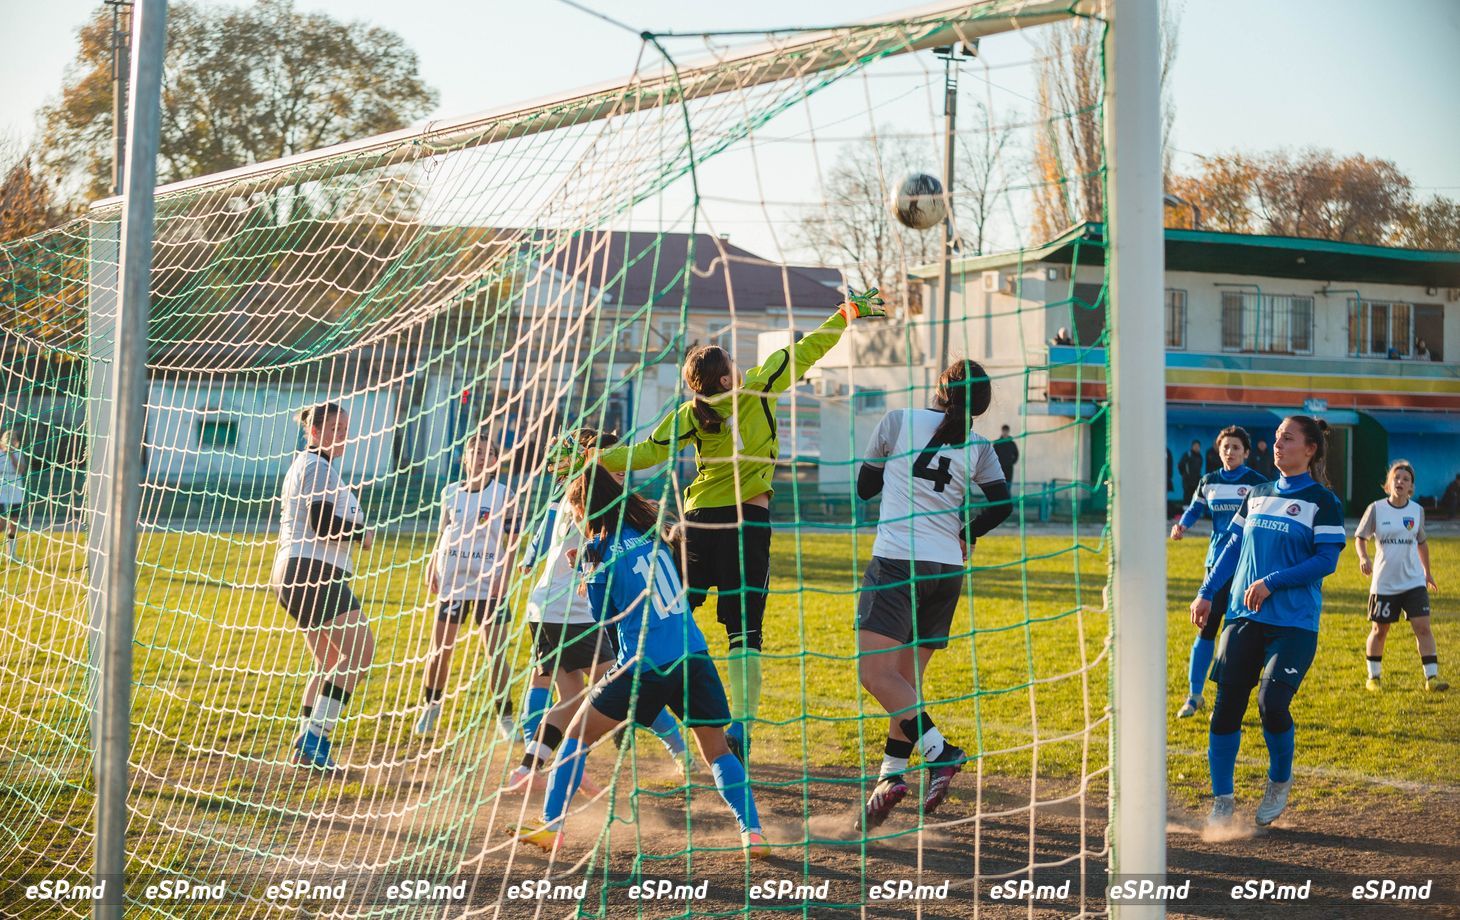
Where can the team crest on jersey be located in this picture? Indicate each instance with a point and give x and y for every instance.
(1408, 523)
(1293, 509)
(483, 515)
(1242, 491)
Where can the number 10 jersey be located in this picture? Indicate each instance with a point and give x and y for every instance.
(925, 486)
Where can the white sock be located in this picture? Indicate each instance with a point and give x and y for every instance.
(1374, 667)
(1432, 669)
(892, 766)
(326, 714)
(931, 744)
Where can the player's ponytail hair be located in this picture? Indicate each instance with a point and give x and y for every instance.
(1395, 467)
(1315, 431)
(964, 393)
(703, 368)
(1238, 432)
(312, 418)
(606, 505)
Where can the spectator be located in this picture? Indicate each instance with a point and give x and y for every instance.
(1171, 506)
(1450, 501)
(1214, 460)
(1261, 459)
(1007, 452)
(1393, 353)
(1062, 337)
(1191, 469)
(1421, 350)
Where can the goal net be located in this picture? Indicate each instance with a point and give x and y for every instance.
(511, 278)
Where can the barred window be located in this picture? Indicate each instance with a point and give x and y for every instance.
(1175, 319)
(1376, 326)
(1267, 323)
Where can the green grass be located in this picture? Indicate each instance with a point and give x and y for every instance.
(1024, 682)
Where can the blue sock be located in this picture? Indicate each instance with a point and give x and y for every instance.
(1222, 760)
(667, 729)
(563, 785)
(1280, 754)
(539, 701)
(736, 730)
(734, 787)
(1202, 651)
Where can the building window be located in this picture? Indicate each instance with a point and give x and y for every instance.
(1175, 319)
(1280, 324)
(1377, 326)
(870, 401)
(216, 433)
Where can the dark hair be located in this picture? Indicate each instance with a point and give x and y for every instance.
(1238, 432)
(1315, 431)
(606, 505)
(964, 390)
(703, 368)
(315, 416)
(1399, 465)
(592, 437)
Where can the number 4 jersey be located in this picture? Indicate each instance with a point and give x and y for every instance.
(637, 590)
(925, 486)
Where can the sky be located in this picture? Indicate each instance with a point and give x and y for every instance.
(1249, 74)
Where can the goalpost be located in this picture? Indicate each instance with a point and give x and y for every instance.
(526, 271)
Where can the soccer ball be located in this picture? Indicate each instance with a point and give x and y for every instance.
(918, 202)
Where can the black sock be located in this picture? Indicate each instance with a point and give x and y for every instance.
(918, 726)
(549, 736)
(433, 695)
(1429, 659)
(306, 711)
(898, 748)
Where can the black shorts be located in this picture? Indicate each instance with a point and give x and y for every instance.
(12, 510)
(729, 549)
(570, 646)
(1413, 604)
(910, 601)
(691, 690)
(1250, 651)
(315, 592)
(477, 610)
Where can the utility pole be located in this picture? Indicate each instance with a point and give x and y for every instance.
(950, 55)
(121, 69)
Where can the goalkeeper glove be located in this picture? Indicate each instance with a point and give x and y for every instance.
(861, 306)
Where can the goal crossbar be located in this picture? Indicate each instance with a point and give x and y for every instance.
(927, 27)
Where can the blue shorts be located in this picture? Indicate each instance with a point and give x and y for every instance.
(691, 689)
(1250, 651)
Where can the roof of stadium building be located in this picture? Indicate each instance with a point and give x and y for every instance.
(1238, 254)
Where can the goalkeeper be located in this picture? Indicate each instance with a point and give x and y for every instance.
(731, 421)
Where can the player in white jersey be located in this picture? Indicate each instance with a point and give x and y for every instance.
(922, 461)
(1400, 579)
(571, 649)
(468, 572)
(320, 520)
(12, 491)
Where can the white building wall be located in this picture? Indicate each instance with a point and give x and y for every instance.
(267, 430)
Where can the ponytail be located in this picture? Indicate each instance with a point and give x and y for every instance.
(704, 367)
(964, 391)
(312, 418)
(1315, 431)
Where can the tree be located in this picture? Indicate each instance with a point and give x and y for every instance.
(982, 152)
(1433, 224)
(240, 85)
(27, 201)
(856, 231)
(1315, 194)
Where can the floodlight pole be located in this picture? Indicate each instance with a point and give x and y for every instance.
(121, 45)
(1137, 432)
(950, 127)
(123, 457)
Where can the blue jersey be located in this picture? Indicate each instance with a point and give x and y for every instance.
(1282, 528)
(1220, 494)
(639, 575)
